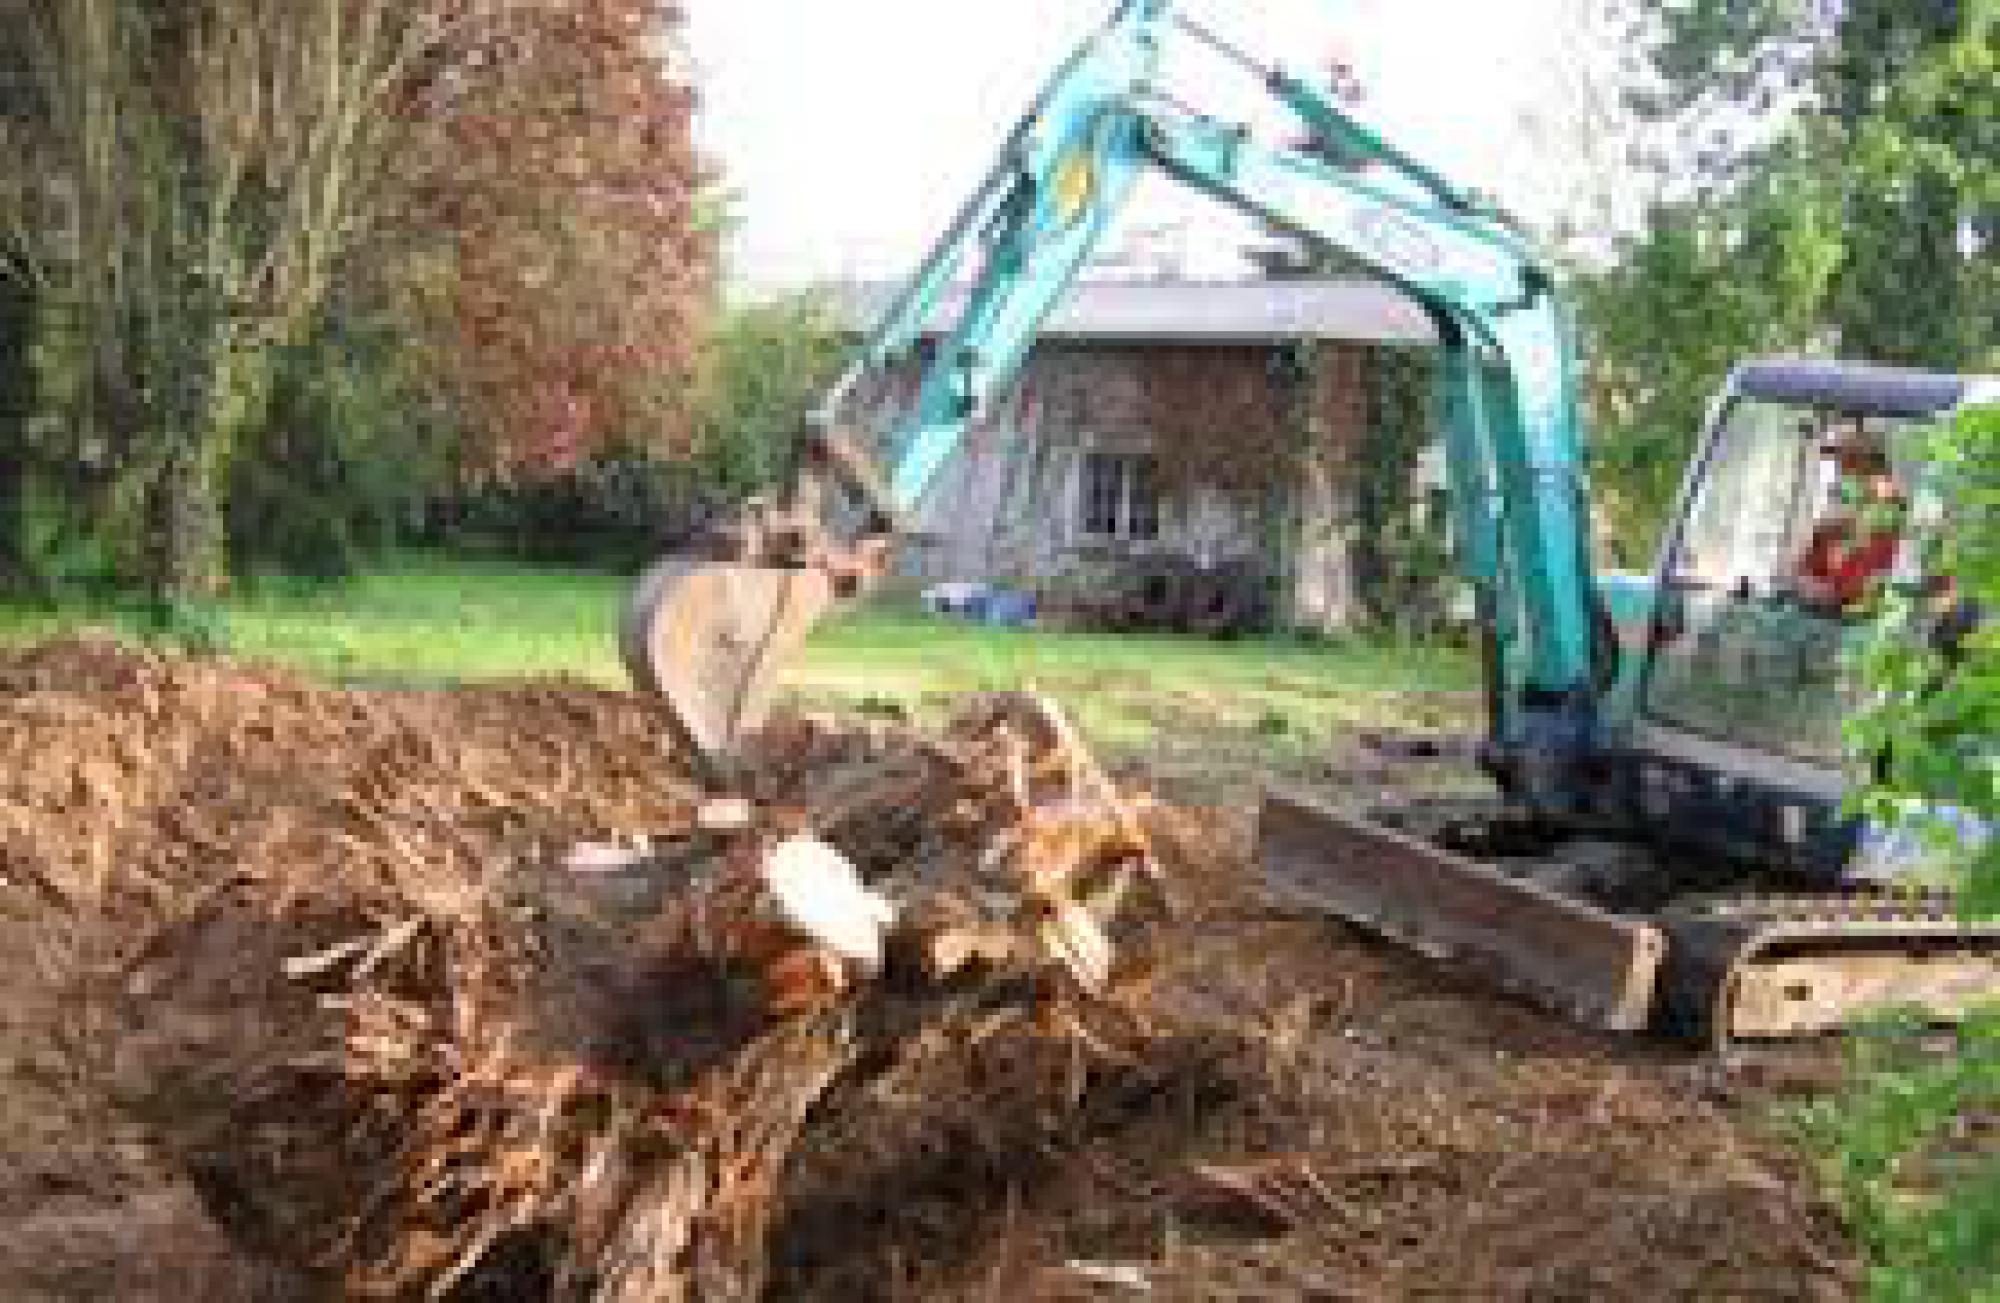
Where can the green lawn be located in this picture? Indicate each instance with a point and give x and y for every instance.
(1185, 701)
(1137, 690)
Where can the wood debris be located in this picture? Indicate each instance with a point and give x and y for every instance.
(305, 1001)
(464, 1022)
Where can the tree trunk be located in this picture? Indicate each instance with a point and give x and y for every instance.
(187, 529)
(16, 400)
(184, 536)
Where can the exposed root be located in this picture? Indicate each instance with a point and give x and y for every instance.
(581, 1073)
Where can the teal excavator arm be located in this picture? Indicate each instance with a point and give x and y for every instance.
(1512, 427)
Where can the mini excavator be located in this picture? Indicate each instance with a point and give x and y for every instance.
(1667, 843)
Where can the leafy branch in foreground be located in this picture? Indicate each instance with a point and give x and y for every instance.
(1909, 1145)
(1934, 663)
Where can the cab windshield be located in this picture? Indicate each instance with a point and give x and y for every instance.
(1799, 520)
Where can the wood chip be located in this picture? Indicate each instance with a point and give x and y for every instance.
(727, 814)
(590, 860)
(302, 967)
(1120, 1275)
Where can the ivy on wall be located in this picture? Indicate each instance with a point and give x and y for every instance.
(1360, 418)
(1403, 557)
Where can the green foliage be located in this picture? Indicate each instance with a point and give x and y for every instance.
(1739, 52)
(766, 365)
(1901, 1147)
(1937, 713)
(1915, 93)
(1706, 285)
(1928, 1210)
(348, 461)
(614, 513)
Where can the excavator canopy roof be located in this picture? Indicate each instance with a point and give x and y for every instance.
(1864, 390)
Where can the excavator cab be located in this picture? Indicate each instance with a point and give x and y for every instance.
(1713, 879)
(1805, 508)
(1800, 520)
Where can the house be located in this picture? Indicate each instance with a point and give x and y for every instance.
(1224, 423)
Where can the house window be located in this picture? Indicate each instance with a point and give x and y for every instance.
(1121, 496)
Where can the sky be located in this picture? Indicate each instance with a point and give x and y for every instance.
(851, 132)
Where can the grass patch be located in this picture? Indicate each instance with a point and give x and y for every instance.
(1189, 703)
(1908, 1148)
(416, 621)
(434, 621)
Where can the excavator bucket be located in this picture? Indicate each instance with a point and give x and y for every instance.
(711, 639)
(1564, 954)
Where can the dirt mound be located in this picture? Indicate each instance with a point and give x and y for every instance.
(171, 834)
(309, 993)
(1316, 1117)
(329, 970)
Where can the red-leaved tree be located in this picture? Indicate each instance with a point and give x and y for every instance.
(560, 269)
(205, 192)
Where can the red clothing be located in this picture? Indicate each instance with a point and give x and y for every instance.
(1846, 569)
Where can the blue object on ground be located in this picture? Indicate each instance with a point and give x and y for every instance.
(1008, 609)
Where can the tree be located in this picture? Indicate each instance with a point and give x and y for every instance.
(1701, 287)
(762, 370)
(202, 176)
(1833, 189)
(560, 236)
(1913, 93)
(1898, 112)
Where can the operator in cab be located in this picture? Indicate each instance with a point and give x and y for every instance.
(1856, 539)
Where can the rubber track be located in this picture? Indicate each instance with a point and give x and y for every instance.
(1708, 938)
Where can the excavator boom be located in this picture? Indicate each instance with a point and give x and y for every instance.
(1574, 753)
(1064, 174)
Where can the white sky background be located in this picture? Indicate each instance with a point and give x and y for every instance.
(852, 130)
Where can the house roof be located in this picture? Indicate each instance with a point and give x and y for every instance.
(1196, 312)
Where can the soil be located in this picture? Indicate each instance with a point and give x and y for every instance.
(1291, 1110)
(1327, 1118)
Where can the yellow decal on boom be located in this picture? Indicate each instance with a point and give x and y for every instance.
(1075, 185)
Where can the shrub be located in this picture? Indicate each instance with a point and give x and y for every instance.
(1908, 1144)
(762, 370)
(348, 460)
(1903, 1144)
(612, 513)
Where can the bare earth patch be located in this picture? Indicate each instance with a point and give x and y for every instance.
(1264, 1107)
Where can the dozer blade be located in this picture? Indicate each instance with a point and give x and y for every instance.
(712, 638)
(1581, 961)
